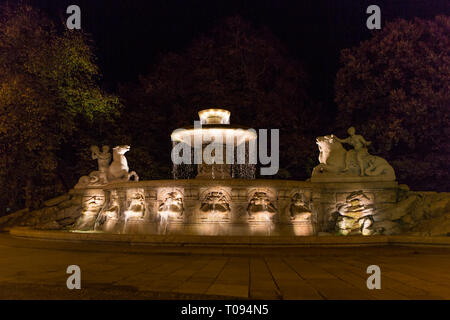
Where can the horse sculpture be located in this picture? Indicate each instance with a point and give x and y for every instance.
(118, 169)
(333, 157)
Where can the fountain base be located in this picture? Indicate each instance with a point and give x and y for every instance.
(231, 207)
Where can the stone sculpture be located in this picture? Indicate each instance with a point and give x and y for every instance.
(359, 145)
(92, 203)
(172, 204)
(355, 215)
(357, 163)
(215, 201)
(103, 159)
(260, 203)
(111, 211)
(299, 208)
(137, 208)
(116, 171)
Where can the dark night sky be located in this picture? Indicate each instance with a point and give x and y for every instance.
(129, 34)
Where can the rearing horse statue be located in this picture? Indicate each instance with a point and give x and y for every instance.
(118, 170)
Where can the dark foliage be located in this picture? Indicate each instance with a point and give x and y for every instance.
(395, 88)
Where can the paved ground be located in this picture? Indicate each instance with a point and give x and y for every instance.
(37, 270)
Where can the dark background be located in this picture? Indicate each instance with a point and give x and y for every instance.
(129, 35)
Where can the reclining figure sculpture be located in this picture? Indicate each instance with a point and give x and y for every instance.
(337, 162)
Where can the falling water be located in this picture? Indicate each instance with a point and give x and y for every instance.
(184, 170)
(238, 171)
(245, 170)
(163, 221)
(215, 217)
(268, 221)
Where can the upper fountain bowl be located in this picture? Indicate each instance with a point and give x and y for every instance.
(214, 122)
(214, 116)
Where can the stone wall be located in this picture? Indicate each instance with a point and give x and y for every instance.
(417, 213)
(56, 213)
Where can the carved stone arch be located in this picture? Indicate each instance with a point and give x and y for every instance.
(223, 190)
(270, 193)
(163, 193)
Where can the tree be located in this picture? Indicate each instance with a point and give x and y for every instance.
(235, 66)
(395, 88)
(48, 87)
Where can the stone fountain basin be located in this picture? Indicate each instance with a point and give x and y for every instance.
(239, 195)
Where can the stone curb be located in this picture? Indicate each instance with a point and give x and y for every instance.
(229, 241)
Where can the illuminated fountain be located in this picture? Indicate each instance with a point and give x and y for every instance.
(220, 196)
(215, 161)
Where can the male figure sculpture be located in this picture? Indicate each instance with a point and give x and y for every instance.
(103, 159)
(359, 146)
